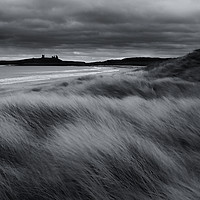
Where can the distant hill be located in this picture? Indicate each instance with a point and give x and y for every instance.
(55, 61)
(186, 67)
(135, 61)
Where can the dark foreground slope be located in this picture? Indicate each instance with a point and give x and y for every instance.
(187, 67)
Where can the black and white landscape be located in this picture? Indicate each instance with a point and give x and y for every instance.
(100, 100)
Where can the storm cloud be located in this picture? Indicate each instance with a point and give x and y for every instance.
(98, 29)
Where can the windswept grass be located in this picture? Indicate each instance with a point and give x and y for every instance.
(127, 136)
(121, 86)
(99, 148)
(186, 67)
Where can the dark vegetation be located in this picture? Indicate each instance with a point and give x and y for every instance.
(130, 136)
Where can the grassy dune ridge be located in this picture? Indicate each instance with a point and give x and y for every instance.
(120, 86)
(186, 67)
(120, 137)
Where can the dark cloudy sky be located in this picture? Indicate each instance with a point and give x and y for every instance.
(98, 29)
